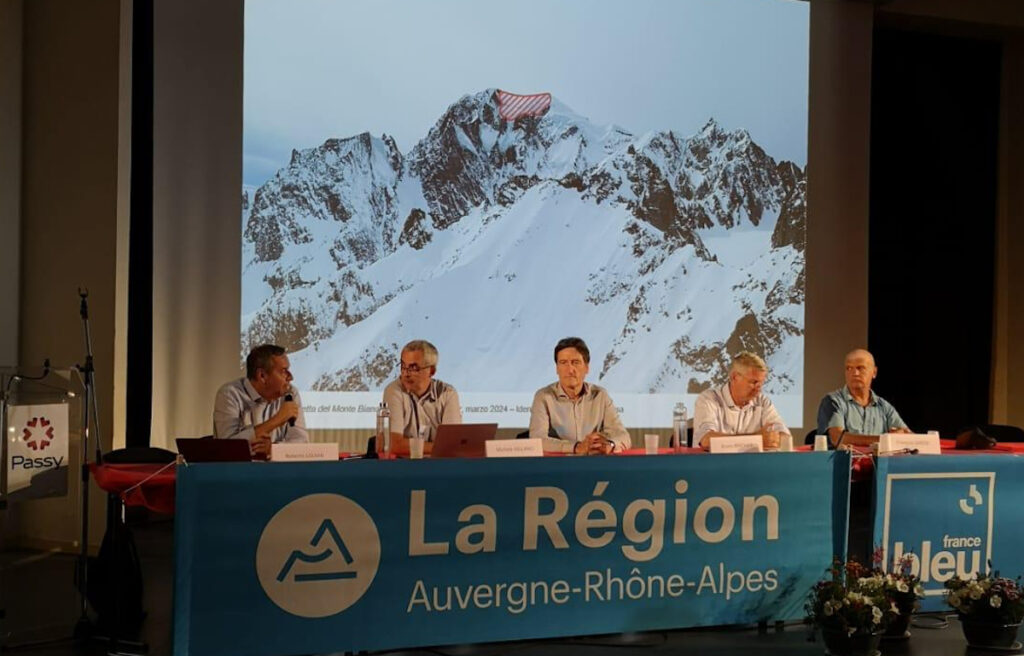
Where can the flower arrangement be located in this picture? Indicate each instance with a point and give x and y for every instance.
(987, 598)
(854, 600)
(901, 585)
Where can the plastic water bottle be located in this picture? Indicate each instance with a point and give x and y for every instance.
(383, 429)
(679, 427)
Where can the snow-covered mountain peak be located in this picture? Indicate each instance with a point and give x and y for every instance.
(344, 243)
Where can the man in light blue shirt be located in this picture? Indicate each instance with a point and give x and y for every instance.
(854, 414)
(262, 407)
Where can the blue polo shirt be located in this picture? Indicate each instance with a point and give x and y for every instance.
(839, 410)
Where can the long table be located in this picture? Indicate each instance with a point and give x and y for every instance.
(350, 556)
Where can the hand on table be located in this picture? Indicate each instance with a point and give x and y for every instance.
(260, 448)
(594, 444)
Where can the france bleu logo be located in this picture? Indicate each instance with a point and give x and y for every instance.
(942, 523)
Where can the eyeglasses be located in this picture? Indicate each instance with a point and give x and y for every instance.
(412, 368)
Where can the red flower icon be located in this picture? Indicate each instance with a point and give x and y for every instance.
(38, 433)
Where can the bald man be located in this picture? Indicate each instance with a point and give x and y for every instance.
(855, 414)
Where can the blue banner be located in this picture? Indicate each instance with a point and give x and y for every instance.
(950, 515)
(371, 555)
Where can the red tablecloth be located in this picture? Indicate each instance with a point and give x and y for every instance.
(151, 486)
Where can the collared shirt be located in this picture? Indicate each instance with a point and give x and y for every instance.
(573, 419)
(239, 408)
(840, 410)
(716, 411)
(438, 405)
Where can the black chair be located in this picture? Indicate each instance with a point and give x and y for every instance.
(139, 455)
(810, 435)
(114, 583)
(1003, 432)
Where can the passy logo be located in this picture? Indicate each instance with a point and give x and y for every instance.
(38, 433)
(318, 555)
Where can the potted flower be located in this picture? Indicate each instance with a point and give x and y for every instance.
(852, 609)
(903, 588)
(990, 608)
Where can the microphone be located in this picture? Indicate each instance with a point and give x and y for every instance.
(288, 397)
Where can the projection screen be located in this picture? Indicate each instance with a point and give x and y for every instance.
(493, 179)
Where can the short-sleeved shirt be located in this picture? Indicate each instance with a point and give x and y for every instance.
(715, 411)
(839, 410)
(438, 405)
(239, 408)
(554, 413)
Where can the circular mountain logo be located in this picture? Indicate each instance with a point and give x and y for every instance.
(318, 555)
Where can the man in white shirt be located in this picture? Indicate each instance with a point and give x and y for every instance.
(738, 407)
(262, 407)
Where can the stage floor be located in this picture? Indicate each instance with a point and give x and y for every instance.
(42, 604)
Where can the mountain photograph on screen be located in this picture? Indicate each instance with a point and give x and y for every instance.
(511, 220)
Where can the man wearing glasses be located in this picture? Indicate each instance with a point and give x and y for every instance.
(573, 416)
(738, 407)
(418, 402)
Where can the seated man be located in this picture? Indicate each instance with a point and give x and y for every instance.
(855, 414)
(418, 402)
(738, 407)
(262, 407)
(573, 416)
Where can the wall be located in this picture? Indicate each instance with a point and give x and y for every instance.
(10, 175)
(837, 190)
(69, 204)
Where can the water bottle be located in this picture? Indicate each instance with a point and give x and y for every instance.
(383, 429)
(679, 427)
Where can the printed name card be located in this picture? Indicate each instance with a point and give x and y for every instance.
(896, 443)
(529, 448)
(737, 444)
(303, 451)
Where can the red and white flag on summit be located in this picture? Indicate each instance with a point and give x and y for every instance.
(512, 106)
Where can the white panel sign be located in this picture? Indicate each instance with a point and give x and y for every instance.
(526, 448)
(37, 442)
(891, 443)
(737, 444)
(303, 452)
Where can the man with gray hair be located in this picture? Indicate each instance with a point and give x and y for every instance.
(738, 407)
(418, 402)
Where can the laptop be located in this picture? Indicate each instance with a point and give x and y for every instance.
(202, 449)
(462, 440)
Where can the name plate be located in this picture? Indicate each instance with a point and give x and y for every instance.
(737, 444)
(303, 451)
(896, 443)
(528, 448)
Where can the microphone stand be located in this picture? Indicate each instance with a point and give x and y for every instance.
(84, 626)
(84, 629)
